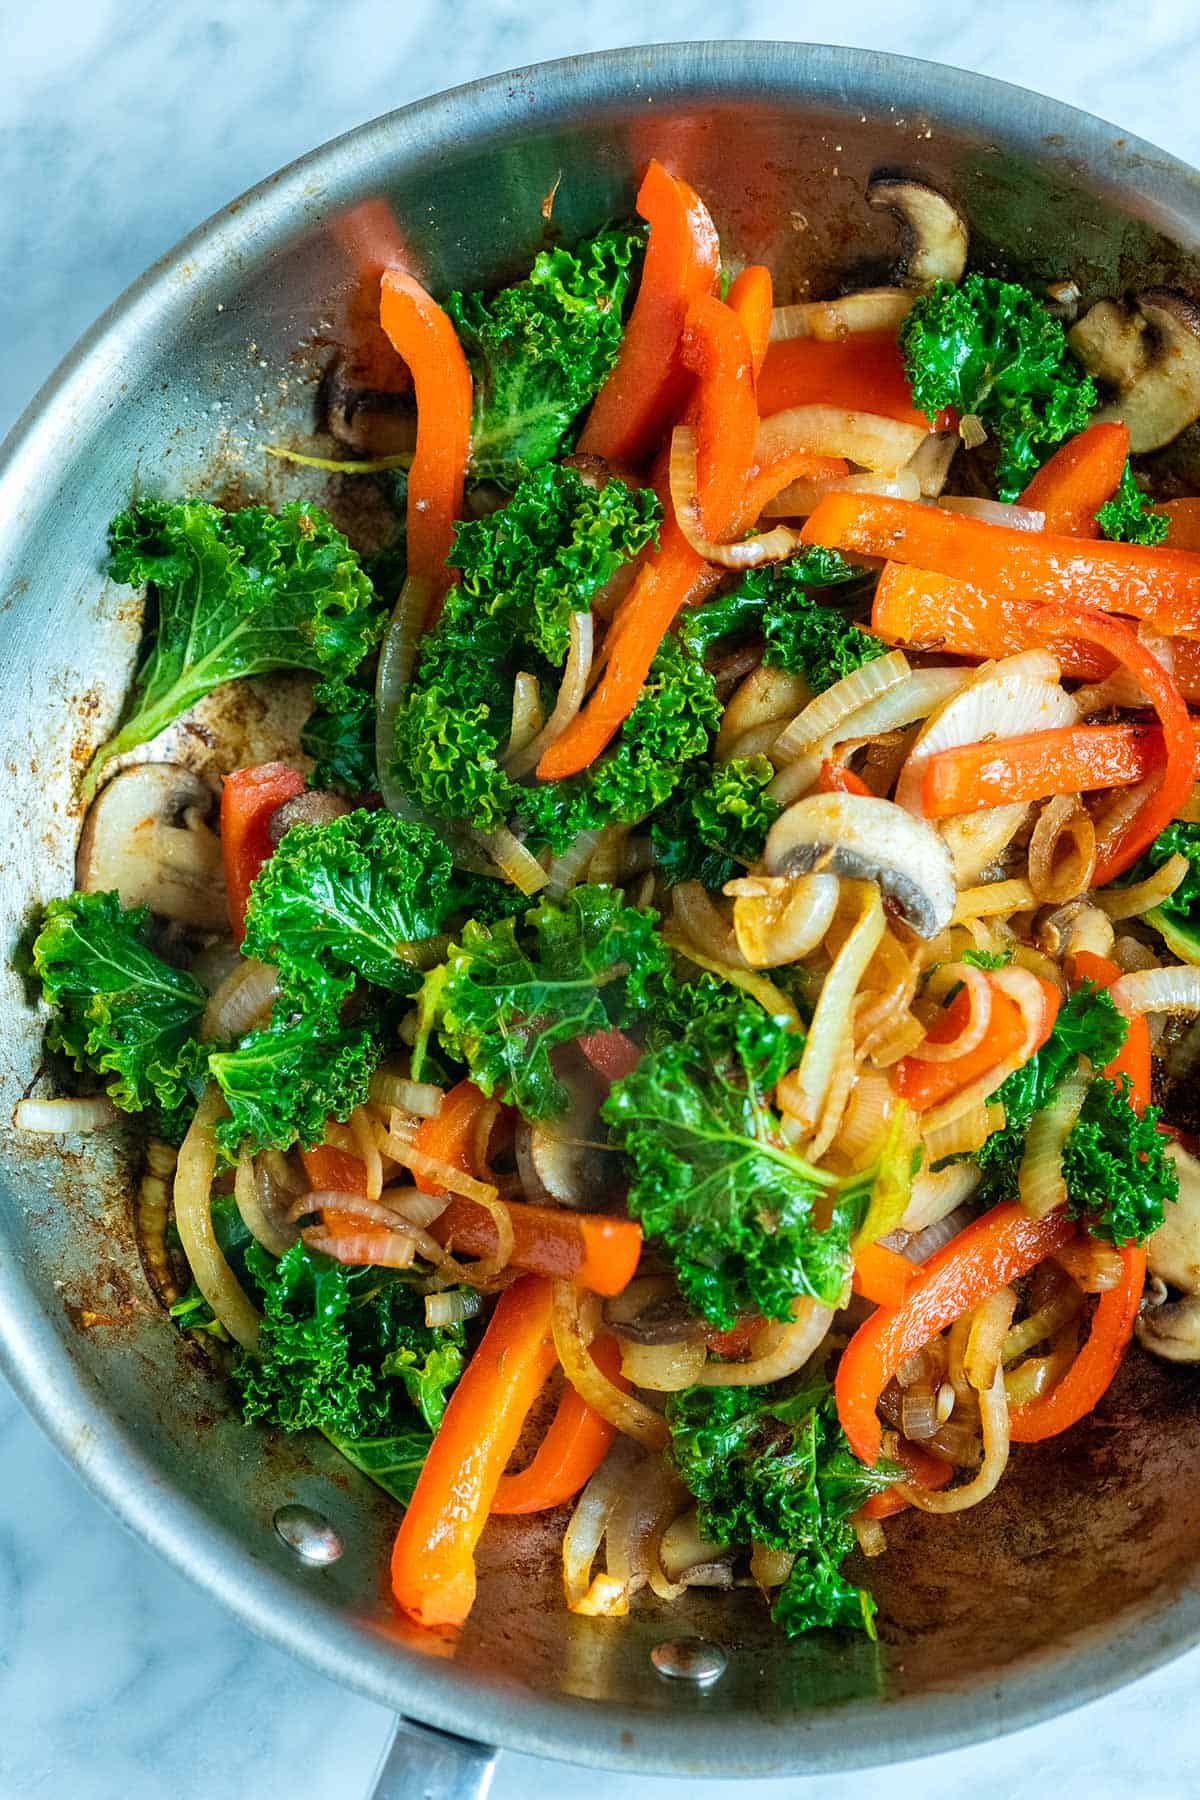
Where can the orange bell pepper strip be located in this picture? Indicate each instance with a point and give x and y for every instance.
(421, 333)
(864, 372)
(985, 1256)
(1077, 480)
(433, 1560)
(249, 797)
(935, 612)
(1070, 759)
(646, 388)
(1120, 850)
(716, 348)
(590, 1249)
(611, 1054)
(882, 1275)
(925, 1084)
(835, 778)
(573, 1448)
(1133, 1058)
(1152, 583)
(1183, 523)
(751, 296)
(333, 1171)
(926, 1470)
(449, 1137)
(1090, 1375)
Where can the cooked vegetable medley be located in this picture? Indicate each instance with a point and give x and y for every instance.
(701, 1033)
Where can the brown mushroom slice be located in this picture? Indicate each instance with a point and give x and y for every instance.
(1172, 1331)
(145, 837)
(1173, 1251)
(1150, 353)
(936, 232)
(867, 839)
(559, 1161)
(316, 806)
(368, 420)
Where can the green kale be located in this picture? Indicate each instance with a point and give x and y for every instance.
(986, 959)
(119, 1009)
(715, 823)
(1115, 1164)
(285, 1079)
(350, 897)
(1178, 916)
(339, 1346)
(1125, 517)
(237, 593)
(191, 1312)
(989, 348)
(671, 723)
(540, 350)
(770, 1465)
(713, 1179)
(801, 632)
(392, 1461)
(544, 555)
(339, 734)
(508, 994)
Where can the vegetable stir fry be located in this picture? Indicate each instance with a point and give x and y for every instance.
(699, 1036)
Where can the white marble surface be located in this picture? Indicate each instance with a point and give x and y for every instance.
(123, 123)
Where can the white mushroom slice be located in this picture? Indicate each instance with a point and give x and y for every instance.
(559, 1160)
(1173, 1252)
(145, 837)
(1151, 354)
(936, 249)
(869, 840)
(1172, 1331)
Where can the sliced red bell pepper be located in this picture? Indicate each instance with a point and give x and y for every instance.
(421, 333)
(926, 1084)
(249, 798)
(611, 1054)
(1133, 1058)
(1089, 1376)
(752, 296)
(1077, 480)
(1070, 759)
(927, 1471)
(1151, 583)
(433, 1561)
(573, 1448)
(590, 1249)
(644, 394)
(985, 1256)
(863, 372)
(716, 348)
(882, 1275)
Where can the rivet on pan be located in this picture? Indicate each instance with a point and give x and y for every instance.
(689, 1659)
(312, 1538)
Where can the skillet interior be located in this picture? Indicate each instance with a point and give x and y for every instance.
(1082, 1570)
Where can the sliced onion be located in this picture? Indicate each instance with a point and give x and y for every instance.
(779, 919)
(1173, 990)
(420, 1097)
(575, 1320)
(922, 1244)
(800, 498)
(264, 1218)
(374, 1249)
(872, 309)
(769, 1567)
(52, 1117)
(389, 1218)
(867, 1117)
(571, 864)
(514, 861)
(994, 512)
(194, 1174)
(367, 1151)
(767, 697)
(993, 1414)
(994, 899)
(704, 924)
(840, 703)
(877, 723)
(1042, 1324)
(930, 461)
(571, 691)
(1132, 902)
(747, 553)
(1063, 821)
(453, 1306)
(779, 1349)
(870, 1534)
(611, 861)
(375, 465)
(1023, 987)
(651, 1497)
(984, 1348)
(831, 1022)
(897, 1041)
(397, 659)
(1042, 1184)
(663, 1368)
(918, 1413)
(441, 1174)
(936, 1194)
(585, 1533)
(244, 998)
(869, 439)
(979, 1017)
(1093, 1267)
(527, 718)
(960, 1133)
(684, 1547)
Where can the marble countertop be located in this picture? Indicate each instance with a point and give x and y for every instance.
(122, 124)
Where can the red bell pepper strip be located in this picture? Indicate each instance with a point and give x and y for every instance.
(882, 1275)
(1077, 480)
(433, 1561)
(925, 1084)
(1161, 585)
(1070, 759)
(1133, 1058)
(1089, 1376)
(751, 296)
(573, 1448)
(716, 348)
(611, 1054)
(590, 1249)
(926, 1470)
(644, 394)
(984, 1257)
(249, 798)
(421, 333)
(935, 612)
(863, 372)
(835, 778)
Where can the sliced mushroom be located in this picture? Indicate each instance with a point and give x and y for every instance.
(371, 421)
(1172, 1331)
(936, 232)
(559, 1160)
(317, 806)
(145, 836)
(1173, 1252)
(1150, 352)
(664, 1319)
(871, 840)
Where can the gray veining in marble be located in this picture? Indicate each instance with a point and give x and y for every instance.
(122, 124)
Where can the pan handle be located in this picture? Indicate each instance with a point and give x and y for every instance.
(423, 1764)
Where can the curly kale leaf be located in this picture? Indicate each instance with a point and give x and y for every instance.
(801, 632)
(1126, 517)
(713, 1179)
(120, 1010)
(286, 1078)
(350, 897)
(540, 350)
(339, 735)
(771, 1465)
(1178, 916)
(455, 718)
(715, 823)
(990, 348)
(507, 995)
(1116, 1167)
(544, 555)
(235, 593)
